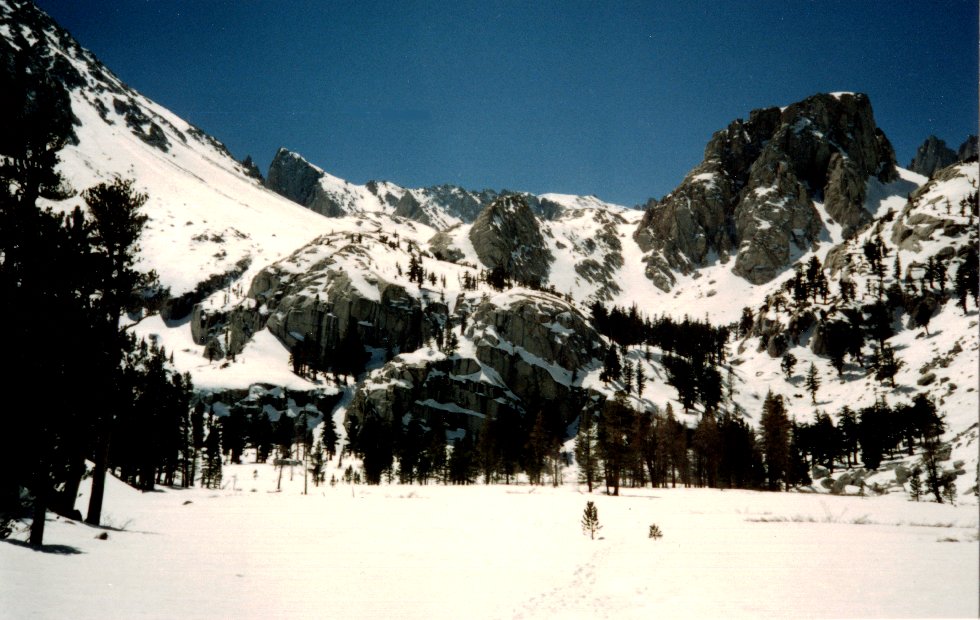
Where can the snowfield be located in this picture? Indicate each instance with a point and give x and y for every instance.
(498, 551)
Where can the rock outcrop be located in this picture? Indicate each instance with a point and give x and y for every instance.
(319, 293)
(753, 193)
(506, 235)
(932, 155)
(294, 178)
(529, 350)
(968, 150)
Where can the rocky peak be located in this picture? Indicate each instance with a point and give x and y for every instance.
(932, 155)
(753, 194)
(967, 150)
(506, 234)
(294, 178)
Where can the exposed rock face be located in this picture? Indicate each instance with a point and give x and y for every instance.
(506, 234)
(312, 295)
(932, 155)
(295, 178)
(324, 303)
(968, 150)
(529, 349)
(453, 390)
(753, 193)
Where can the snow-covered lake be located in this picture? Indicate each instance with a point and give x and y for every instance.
(494, 552)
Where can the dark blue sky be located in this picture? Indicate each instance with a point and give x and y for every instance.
(616, 99)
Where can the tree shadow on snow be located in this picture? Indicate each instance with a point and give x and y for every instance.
(53, 549)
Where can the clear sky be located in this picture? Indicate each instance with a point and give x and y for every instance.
(616, 99)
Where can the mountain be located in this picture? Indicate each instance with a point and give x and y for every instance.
(465, 307)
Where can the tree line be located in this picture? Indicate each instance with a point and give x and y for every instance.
(81, 386)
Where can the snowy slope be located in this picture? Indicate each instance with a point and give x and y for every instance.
(206, 215)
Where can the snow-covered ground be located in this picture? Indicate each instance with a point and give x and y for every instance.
(432, 551)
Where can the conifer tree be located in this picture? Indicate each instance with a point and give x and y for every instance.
(615, 424)
(775, 434)
(316, 463)
(812, 383)
(967, 281)
(590, 519)
(486, 448)
(586, 448)
(787, 364)
(915, 483)
(211, 469)
(328, 437)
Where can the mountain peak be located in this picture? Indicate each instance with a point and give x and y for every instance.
(753, 194)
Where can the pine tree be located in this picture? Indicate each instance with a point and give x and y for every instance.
(615, 424)
(915, 483)
(329, 438)
(628, 372)
(486, 448)
(586, 448)
(812, 383)
(211, 469)
(775, 434)
(316, 463)
(788, 363)
(590, 519)
(967, 281)
(885, 364)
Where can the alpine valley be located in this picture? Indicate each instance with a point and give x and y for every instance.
(798, 271)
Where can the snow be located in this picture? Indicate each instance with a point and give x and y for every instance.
(433, 551)
(574, 202)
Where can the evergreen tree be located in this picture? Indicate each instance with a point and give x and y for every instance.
(316, 463)
(915, 483)
(462, 461)
(967, 281)
(707, 447)
(211, 469)
(611, 367)
(681, 376)
(885, 364)
(848, 431)
(328, 437)
(486, 449)
(375, 444)
(774, 428)
(812, 383)
(536, 449)
(586, 448)
(590, 520)
(351, 355)
(788, 363)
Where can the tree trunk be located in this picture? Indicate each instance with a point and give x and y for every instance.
(37, 526)
(94, 515)
(40, 505)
